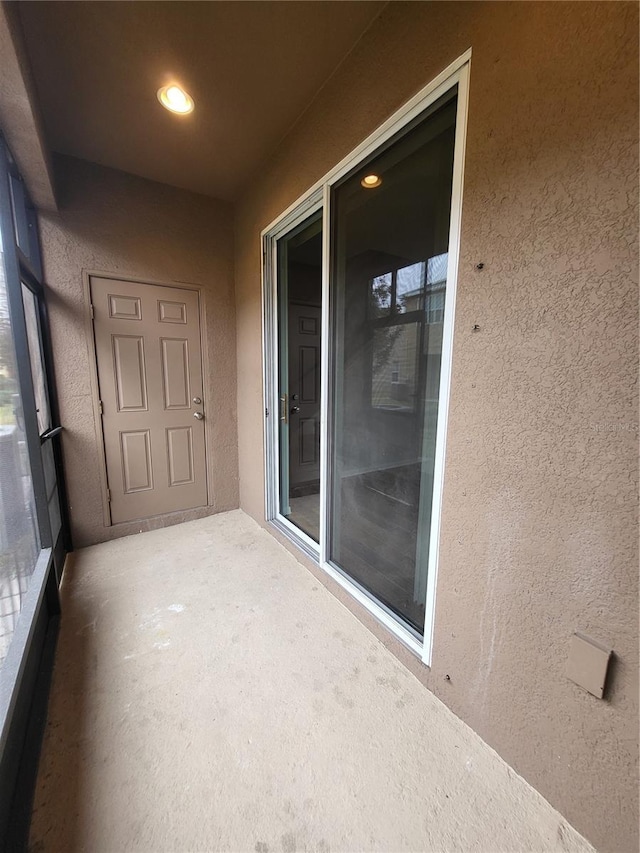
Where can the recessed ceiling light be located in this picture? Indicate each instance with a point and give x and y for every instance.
(175, 99)
(371, 181)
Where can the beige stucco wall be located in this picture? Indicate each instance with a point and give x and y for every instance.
(126, 226)
(539, 528)
(19, 114)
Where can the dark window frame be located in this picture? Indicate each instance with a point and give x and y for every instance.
(25, 672)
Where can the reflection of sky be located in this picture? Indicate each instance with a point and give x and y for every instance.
(437, 269)
(410, 279)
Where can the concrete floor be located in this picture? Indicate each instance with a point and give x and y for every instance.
(209, 694)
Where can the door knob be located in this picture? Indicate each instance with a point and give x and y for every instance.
(198, 416)
(197, 401)
(295, 410)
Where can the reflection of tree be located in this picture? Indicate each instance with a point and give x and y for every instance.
(381, 295)
(385, 336)
(384, 342)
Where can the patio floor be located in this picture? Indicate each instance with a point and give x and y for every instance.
(209, 694)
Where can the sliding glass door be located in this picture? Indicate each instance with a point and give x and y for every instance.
(391, 233)
(359, 324)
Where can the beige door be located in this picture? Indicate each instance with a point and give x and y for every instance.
(150, 376)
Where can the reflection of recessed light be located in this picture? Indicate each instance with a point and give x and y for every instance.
(371, 181)
(175, 99)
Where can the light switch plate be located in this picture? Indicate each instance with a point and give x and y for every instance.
(588, 663)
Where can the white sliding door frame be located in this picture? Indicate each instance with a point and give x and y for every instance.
(271, 355)
(316, 198)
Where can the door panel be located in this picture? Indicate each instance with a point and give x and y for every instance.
(308, 454)
(124, 308)
(154, 446)
(136, 461)
(180, 455)
(304, 393)
(131, 386)
(172, 312)
(175, 373)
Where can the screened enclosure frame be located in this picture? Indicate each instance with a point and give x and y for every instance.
(25, 671)
(318, 197)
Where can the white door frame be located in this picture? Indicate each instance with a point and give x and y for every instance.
(319, 197)
(271, 344)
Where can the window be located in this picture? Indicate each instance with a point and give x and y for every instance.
(33, 524)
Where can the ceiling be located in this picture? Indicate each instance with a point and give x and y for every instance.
(251, 67)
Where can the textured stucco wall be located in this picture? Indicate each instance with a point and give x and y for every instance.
(19, 114)
(112, 222)
(539, 530)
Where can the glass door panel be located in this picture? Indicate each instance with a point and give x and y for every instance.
(390, 230)
(30, 303)
(299, 283)
(43, 410)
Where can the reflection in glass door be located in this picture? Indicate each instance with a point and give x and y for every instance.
(299, 284)
(390, 228)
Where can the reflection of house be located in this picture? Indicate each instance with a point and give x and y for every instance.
(399, 348)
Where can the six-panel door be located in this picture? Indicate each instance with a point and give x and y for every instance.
(150, 376)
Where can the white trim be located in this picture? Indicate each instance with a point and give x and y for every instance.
(267, 371)
(296, 535)
(325, 368)
(446, 359)
(270, 343)
(457, 73)
(270, 331)
(375, 609)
